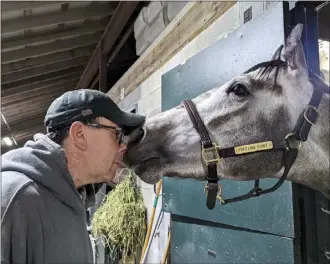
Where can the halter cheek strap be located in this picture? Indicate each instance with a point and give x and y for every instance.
(207, 145)
(309, 116)
(213, 154)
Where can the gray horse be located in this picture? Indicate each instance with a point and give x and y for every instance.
(264, 103)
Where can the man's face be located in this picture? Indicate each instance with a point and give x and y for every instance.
(104, 152)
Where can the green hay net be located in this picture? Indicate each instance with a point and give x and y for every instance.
(121, 220)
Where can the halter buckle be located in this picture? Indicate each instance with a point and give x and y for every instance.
(211, 154)
(219, 198)
(292, 141)
(307, 118)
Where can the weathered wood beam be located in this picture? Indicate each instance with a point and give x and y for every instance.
(43, 69)
(39, 78)
(70, 79)
(18, 115)
(27, 130)
(113, 54)
(24, 23)
(118, 21)
(7, 6)
(32, 97)
(67, 30)
(4, 130)
(31, 103)
(55, 45)
(23, 133)
(31, 120)
(23, 137)
(197, 16)
(30, 132)
(45, 59)
(9, 131)
(30, 123)
(103, 84)
(24, 110)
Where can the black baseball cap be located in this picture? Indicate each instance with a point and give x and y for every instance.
(84, 104)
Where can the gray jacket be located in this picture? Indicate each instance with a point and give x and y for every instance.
(43, 216)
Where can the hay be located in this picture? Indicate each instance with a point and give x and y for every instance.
(120, 220)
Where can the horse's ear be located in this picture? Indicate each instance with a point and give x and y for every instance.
(293, 51)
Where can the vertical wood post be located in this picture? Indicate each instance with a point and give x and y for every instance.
(103, 83)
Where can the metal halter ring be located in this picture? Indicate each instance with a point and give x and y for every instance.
(219, 198)
(305, 113)
(210, 155)
(297, 143)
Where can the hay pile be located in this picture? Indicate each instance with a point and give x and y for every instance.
(120, 219)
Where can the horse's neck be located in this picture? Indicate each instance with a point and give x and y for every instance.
(312, 165)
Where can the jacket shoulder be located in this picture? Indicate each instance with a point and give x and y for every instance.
(13, 183)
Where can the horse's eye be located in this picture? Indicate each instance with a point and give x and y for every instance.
(239, 89)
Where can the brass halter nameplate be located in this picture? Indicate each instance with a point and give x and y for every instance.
(260, 146)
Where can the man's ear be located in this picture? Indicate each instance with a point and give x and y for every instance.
(77, 133)
(293, 52)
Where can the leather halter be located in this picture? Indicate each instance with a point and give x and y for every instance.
(212, 154)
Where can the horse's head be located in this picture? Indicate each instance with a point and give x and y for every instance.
(261, 104)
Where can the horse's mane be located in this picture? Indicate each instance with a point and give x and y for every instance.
(266, 67)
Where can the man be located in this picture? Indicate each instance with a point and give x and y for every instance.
(43, 216)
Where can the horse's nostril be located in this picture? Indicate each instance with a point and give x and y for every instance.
(136, 136)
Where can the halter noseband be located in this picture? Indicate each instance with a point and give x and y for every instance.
(212, 154)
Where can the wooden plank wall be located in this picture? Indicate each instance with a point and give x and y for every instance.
(197, 16)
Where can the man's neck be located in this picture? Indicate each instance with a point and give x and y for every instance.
(78, 176)
(76, 170)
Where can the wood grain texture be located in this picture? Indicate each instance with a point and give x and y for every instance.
(199, 16)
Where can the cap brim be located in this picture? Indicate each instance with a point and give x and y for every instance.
(131, 121)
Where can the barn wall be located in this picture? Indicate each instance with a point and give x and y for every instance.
(147, 97)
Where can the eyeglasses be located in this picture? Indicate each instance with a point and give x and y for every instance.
(119, 131)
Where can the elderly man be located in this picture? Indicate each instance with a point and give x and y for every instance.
(43, 216)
